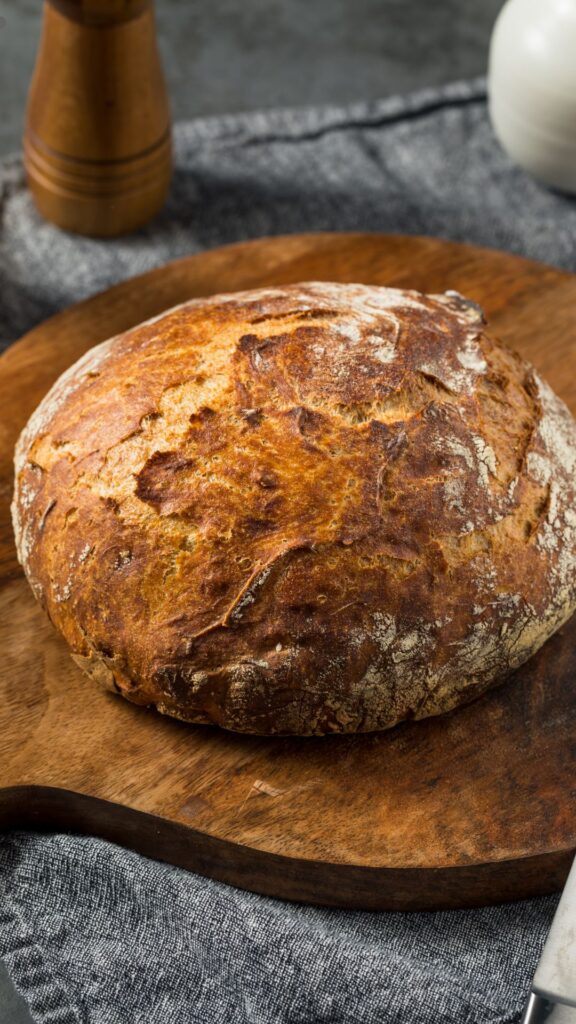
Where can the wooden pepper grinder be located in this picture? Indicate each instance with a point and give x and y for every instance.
(97, 143)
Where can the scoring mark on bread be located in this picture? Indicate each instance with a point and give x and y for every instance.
(422, 466)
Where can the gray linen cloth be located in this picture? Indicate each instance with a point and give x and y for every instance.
(92, 933)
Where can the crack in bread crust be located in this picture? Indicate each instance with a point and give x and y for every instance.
(309, 509)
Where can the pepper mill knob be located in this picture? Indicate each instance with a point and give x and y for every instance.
(97, 145)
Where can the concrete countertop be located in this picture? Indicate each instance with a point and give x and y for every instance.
(225, 56)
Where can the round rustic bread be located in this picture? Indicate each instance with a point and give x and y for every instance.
(307, 509)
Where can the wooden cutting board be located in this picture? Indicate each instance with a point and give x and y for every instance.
(474, 807)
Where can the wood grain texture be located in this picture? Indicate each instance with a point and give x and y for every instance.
(474, 807)
(97, 146)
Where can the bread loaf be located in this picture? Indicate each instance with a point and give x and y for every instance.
(307, 509)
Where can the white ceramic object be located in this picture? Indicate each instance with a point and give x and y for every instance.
(532, 87)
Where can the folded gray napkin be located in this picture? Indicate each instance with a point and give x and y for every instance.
(93, 934)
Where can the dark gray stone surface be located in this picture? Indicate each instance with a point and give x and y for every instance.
(228, 55)
(13, 1009)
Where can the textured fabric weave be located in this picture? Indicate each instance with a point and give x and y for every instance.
(94, 934)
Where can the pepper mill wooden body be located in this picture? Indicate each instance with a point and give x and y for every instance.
(97, 144)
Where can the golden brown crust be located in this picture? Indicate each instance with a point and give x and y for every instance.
(317, 508)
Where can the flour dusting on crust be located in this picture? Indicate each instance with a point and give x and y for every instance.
(302, 509)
